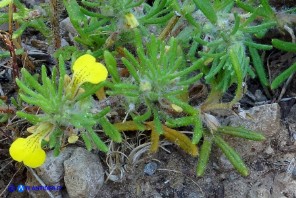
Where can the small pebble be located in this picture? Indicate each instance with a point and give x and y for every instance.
(150, 168)
(259, 96)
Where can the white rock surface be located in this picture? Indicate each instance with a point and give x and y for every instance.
(264, 119)
(84, 174)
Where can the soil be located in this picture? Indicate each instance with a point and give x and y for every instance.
(174, 174)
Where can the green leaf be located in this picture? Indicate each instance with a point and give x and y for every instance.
(86, 140)
(257, 62)
(42, 103)
(111, 66)
(28, 91)
(162, 19)
(34, 119)
(191, 81)
(131, 69)
(259, 28)
(40, 25)
(196, 65)
(126, 86)
(178, 122)
(283, 45)
(19, 31)
(91, 89)
(258, 46)
(4, 3)
(32, 82)
(241, 132)
(267, 8)
(134, 4)
(55, 137)
(157, 122)
(158, 5)
(198, 130)
(57, 148)
(110, 130)
(236, 24)
(238, 71)
(186, 107)
(232, 156)
(283, 76)
(102, 113)
(98, 142)
(144, 117)
(207, 9)
(48, 84)
(203, 157)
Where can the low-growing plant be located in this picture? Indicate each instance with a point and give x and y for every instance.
(158, 86)
(219, 47)
(105, 24)
(67, 110)
(24, 16)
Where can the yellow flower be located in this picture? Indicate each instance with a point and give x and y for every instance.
(28, 150)
(177, 108)
(86, 69)
(131, 21)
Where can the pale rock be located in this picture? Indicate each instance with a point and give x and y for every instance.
(264, 119)
(84, 174)
(51, 173)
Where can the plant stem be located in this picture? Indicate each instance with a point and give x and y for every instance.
(55, 26)
(169, 26)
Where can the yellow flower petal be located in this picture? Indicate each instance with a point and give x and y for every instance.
(131, 21)
(177, 108)
(36, 158)
(28, 150)
(72, 139)
(86, 69)
(18, 150)
(32, 129)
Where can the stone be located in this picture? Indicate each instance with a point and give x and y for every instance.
(264, 119)
(67, 27)
(269, 150)
(259, 96)
(150, 168)
(84, 174)
(52, 171)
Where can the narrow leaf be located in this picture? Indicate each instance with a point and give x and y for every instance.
(283, 76)
(203, 157)
(98, 142)
(241, 132)
(232, 156)
(283, 45)
(206, 7)
(257, 62)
